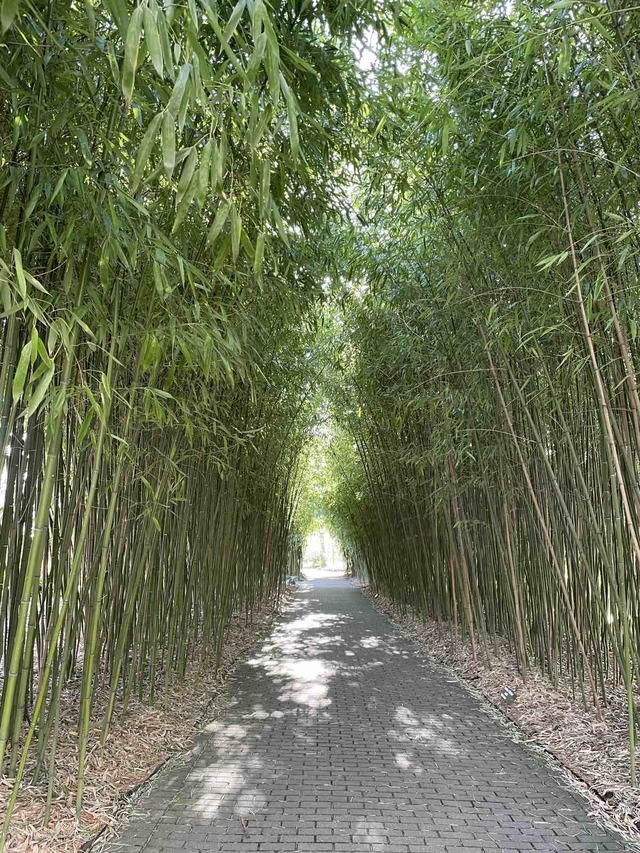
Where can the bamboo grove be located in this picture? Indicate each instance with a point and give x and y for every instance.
(488, 456)
(169, 172)
(165, 168)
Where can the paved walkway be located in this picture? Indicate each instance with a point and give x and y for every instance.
(339, 737)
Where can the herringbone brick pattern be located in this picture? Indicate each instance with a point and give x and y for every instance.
(338, 737)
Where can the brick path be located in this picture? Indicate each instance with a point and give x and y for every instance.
(339, 737)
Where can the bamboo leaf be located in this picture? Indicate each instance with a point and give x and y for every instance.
(265, 186)
(234, 20)
(204, 172)
(186, 174)
(292, 115)
(165, 45)
(152, 39)
(118, 9)
(150, 352)
(168, 144)
(131, 51)
(146, 147)
(180, 86)
(158, 278)
(272, 61)
(5, 292)
(20, 375)
(39, 392)
(8, 12)
(185, 202)
(84, 146)
(219, 221)
(85, 426)
(33, 281)
(236, 231)
(113, 64)
(20, 276)
(259, 256)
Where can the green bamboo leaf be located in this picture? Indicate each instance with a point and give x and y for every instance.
(258, 13)
(91, 18)
(113, 63)
(84, 146)
(8, 12)
(234, 20)
(95, 405)
(106, 390)
(272, 61)
(258, 259)
(292, 115)
(165, 45)
(553, 260)
(177, 95)
(20, 276)
(257, 56)
(35, 196)
(194, 18)
(219, 221)
(204, 172)
(20, 376)
(445, 135)
(186, 174)
(118, 9)
(33, 281)
(152, 39)
(146, 147)
(11, 83)
(85, 426)
(160, 392)
(35, 344)
(279, 222)
(217, 167)
(184, 204)
(39, 392)
(236, 231)
(150, 352)
(44, 354)
(83, 325)
(265, 186)
(131, 51)
(168, 144)
(158, 279)
(5, 292)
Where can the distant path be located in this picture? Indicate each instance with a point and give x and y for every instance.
(339, 737)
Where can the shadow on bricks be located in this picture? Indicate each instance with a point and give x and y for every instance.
(337, 736)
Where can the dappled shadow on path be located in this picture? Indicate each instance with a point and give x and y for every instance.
(336, 732)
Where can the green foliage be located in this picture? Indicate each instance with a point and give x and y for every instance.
(315, 483)
(165, 171)
(488, 376)
(208, 226)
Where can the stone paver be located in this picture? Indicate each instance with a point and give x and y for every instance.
(339, 737)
